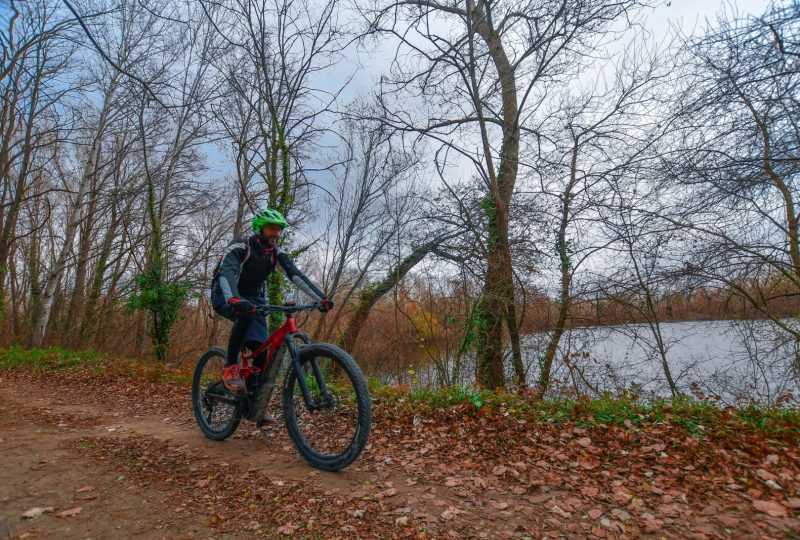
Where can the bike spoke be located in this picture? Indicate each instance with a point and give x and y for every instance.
(216, 413)
(329, 429)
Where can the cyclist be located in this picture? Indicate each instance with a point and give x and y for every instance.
(238, 288)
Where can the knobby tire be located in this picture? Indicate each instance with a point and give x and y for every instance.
(229, 427)
(313, 456)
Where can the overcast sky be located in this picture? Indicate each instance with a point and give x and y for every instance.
(692, 13)
(690, 16)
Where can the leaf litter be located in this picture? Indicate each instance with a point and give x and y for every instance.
(604, 481)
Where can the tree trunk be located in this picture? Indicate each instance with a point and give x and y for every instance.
(89, 321)
(76, 307)
(566, 277)
(371, 295)
(516, 350)
(498, 292)
(72, 226)
(87, 176)
(241, 200)
(35, 279)
(10, 222)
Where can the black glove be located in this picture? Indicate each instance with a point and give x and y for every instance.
(241, 307)
(325, 305)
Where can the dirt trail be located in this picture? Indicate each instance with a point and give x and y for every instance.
(44, 447)
(41, 468)
(127, 452)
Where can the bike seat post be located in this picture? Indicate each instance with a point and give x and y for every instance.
(246, 355)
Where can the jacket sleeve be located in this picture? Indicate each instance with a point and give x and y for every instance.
(286, 264)
(231, 267)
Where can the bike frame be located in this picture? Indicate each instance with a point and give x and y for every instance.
(286, 334)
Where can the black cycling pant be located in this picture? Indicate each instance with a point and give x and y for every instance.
(237, 339)
(241, 326)
(238, 333)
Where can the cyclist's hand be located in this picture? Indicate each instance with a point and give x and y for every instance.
(325, 305)
(241, 307)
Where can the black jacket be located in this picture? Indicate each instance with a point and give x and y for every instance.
(247, 265)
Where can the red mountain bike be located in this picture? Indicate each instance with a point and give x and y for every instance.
(326, 405)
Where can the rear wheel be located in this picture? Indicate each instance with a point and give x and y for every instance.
(215, 408)
(331, 433)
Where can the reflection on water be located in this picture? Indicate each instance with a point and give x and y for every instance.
(735, 360)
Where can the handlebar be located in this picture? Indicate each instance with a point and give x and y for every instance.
(291, 308)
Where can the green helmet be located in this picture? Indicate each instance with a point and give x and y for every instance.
(267, 216)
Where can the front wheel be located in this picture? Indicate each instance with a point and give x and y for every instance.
(215, 408)
(331, 432)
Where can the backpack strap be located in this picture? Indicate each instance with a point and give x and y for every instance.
(246, 256)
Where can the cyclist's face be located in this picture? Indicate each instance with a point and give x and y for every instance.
(271, 233)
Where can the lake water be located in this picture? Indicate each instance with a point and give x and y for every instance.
(739, 361)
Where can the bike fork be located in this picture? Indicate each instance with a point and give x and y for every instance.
(301, 379)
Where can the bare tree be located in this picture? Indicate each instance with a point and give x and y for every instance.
(649, 274)
(478, 85)
(736, 158)
(33, 55)
(169, 141)
(608, 136)
(369, 210)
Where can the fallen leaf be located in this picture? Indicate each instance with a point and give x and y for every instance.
(771, 507)
(450, 513)
(83, 489)
(598, 532)
(620, 514)
(728, 521)
(595, 513)
(70, 512)
(391, 492)
(773, 485)
(652, 525)
(287, 529)
(589, 463)
(765, 475)
(202, 483)
(590, 491)
(36, 512)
